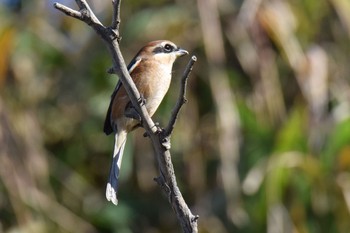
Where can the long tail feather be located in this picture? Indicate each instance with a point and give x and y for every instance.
(113, 181)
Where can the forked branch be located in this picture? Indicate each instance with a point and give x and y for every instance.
(111, 37)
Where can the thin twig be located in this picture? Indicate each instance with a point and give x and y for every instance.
(181, 99)
(84, 14)
(116, 15)
(84, 6)
(68, 11)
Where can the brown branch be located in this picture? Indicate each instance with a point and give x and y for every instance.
(167, 179)
(181, 99)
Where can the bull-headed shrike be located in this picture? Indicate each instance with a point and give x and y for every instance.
(151, 72)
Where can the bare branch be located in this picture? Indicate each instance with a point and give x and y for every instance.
(85, 8)
(181, 99)
(167, 180)
(84, 14)
(116, 15)
(68, 11)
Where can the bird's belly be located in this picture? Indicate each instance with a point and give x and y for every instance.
(160, 89)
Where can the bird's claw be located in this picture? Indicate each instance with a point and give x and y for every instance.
(158, 128)
(141, 100)
(157, 131)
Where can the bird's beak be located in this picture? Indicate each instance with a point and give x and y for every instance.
(180, 52)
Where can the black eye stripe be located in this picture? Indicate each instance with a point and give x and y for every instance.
(167, 48)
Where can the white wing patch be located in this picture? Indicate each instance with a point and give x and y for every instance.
(134, 64)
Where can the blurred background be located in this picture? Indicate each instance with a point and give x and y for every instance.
(263, 144)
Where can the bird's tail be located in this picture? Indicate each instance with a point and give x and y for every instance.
(113, 181)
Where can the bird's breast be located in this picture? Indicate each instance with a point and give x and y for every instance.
(158, 83)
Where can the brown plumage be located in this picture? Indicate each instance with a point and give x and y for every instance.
(151, 72)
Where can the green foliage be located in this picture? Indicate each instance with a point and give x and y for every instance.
(262, 145)
(292, 135)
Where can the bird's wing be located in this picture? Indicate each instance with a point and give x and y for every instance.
(108, 129)
(135, 62)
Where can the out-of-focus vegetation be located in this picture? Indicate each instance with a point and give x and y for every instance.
(263, 144)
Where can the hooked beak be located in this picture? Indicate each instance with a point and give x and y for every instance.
(180, 52)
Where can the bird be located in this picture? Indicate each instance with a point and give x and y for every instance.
(151, 71)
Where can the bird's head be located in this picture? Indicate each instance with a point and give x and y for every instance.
(163, 51)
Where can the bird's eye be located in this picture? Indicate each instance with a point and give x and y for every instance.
(168, 48)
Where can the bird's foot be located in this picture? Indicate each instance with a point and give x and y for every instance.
(141, 100)
(158, 129)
